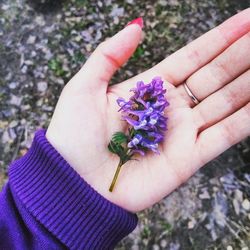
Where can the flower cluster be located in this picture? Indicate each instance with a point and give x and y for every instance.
(144, 112)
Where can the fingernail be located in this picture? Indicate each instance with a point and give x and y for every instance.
(138, 21)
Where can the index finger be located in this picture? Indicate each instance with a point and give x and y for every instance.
(184, 62)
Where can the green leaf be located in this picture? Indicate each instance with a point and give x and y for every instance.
(114, 148)
(142, 133)
(56, 66)
(119, 150)
(138, 53)
(119, 138)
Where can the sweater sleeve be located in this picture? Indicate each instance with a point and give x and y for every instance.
(47, 205)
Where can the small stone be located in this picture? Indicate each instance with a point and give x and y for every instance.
(88, 47)
(23, 151)
(135, 247)
(247, 177)
(229, 248)
(116, 20)
(39, 103)
(117, 11)
(24, 69)
(47, 53)
(15, 100)
(174, 246)
(67, 13)
(3, 124)
(98, 35)
(130, 1)
(33, 53)
(163, 3)
(6, 137)
(163, 243)
(49, 29)
(28, 62)
(86, 35)
(12, 134)
(245, 248)
(191, 223)
(47, 108)
(238, 195)
(25, 107)
(13, 85)
(60, 81)
(156, 247)
(42, 86)
(246, 204)
(236, 206)
(204, 195)
(7, 113)
(40, 20)
(214, 181)
(78, 38)
(5, 6)
(31, 39)
(13, 124)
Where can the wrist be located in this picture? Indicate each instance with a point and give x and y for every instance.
(64, 202)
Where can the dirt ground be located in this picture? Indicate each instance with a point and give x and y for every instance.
(43, 43)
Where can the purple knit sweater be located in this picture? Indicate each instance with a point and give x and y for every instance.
(47, 205)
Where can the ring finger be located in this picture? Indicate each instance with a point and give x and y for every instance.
(219, 72)
(224, 102)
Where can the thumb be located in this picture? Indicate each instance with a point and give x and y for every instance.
(110, 55)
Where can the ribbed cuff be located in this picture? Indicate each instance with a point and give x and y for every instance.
(64, 203)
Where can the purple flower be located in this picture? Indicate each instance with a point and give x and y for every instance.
(144, 112)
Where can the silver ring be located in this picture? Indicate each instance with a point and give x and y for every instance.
(191, 95)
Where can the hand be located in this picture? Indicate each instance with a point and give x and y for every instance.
(215, 67)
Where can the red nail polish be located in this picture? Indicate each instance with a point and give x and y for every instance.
(138, 21)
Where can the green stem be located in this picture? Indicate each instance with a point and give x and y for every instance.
(115, 176)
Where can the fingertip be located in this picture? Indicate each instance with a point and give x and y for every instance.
(133, 29)
(236, 26)
(138, 21)
(123, 44)
(111, 54)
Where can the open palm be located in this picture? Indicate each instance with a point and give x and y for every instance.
(86, 114)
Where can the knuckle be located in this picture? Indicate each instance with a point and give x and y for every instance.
(237, 93)
(230, 129)
(111, 59)
(247, 109)
(231, 99)
(193, 55)
(229, 133)
(221, 68)
(108, 55)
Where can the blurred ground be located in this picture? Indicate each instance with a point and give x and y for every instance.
(43, 43)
